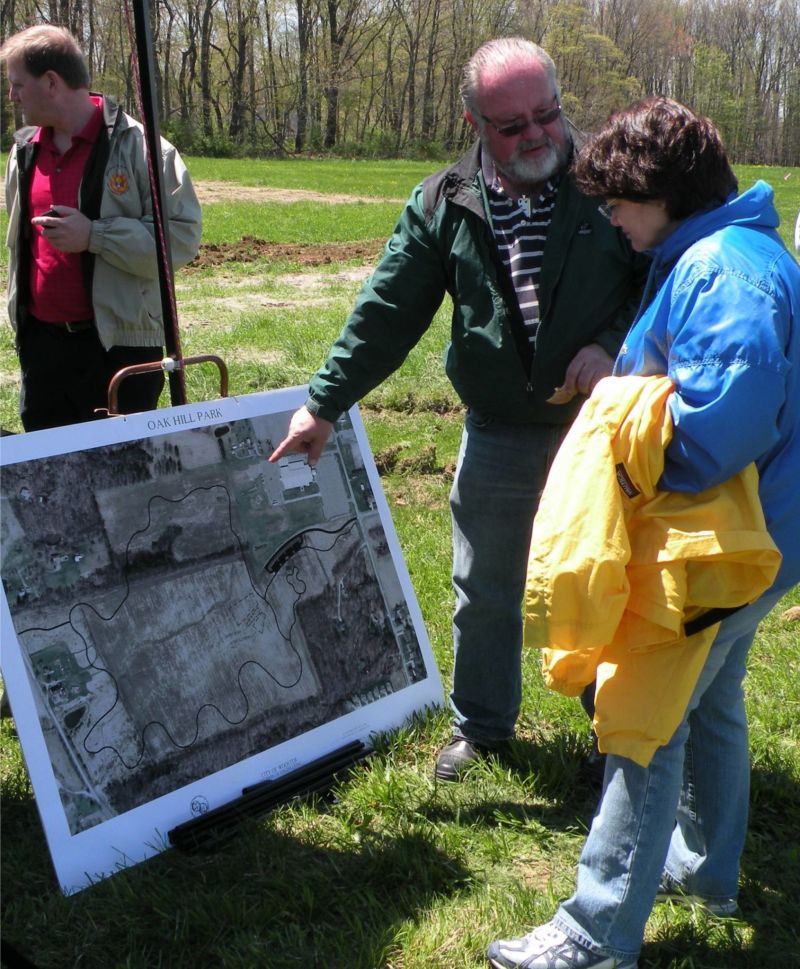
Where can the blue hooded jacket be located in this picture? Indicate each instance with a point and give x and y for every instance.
(721, 318)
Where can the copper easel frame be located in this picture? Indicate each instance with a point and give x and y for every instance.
(168, 365)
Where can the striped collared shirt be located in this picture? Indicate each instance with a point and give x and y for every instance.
(520, 229)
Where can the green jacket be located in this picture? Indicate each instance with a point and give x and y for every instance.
(120, 267)
(590, 286)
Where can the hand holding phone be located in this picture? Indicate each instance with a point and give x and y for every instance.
(68, 230)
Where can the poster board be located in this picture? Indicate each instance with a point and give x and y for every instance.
(182, 619)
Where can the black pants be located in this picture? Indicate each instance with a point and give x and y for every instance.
(65, 376)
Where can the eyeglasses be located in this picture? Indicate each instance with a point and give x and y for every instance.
(517, 127)
(606, 210)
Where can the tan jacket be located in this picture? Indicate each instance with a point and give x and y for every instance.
(125, 289)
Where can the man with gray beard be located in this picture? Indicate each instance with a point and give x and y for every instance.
(543, 290)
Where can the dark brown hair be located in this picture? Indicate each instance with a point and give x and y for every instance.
(657, 149)
(47, 48)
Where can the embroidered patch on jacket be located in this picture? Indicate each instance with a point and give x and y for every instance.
(625, 482)
(118, 183)
(585, 229)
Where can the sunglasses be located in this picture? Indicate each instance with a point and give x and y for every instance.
(541, 119)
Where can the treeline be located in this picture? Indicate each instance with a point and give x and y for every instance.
(381, 77)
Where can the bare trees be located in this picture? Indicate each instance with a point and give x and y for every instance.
(735, 60)
(383, 75)
(350, 28)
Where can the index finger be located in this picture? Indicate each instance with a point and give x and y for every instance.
(283, 448)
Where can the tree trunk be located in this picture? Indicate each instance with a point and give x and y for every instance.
(205, 66)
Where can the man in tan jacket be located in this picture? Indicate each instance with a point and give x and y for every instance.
(83, 290)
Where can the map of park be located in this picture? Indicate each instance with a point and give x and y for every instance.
(181, 604)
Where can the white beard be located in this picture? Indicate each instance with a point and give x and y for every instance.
(524, 172)
(530, 171)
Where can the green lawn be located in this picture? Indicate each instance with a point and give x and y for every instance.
(371, 179)
(395, 871)
(302, 222)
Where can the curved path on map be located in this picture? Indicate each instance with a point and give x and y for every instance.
(296, 584)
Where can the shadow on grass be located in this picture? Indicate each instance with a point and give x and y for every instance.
(555, 769)
(767, 934)
(561, 791)
(765, 938)
(264, 898)
(560, 768)
(310, 891)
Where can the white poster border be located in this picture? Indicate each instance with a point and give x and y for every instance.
(83, 858)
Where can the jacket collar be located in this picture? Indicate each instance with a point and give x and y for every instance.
(463, 182)
(24, 136)
(113, 117)
(754, 208)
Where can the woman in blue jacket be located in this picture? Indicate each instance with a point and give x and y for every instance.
(721, 317)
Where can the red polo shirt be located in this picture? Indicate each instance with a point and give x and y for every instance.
(57, 290)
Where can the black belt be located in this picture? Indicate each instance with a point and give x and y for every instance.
(65, 326)
(706, 619)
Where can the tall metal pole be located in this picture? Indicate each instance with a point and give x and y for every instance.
(144, 77)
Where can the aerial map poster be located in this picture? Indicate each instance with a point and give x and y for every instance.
(182, 619)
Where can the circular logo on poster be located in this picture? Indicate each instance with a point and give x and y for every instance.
(199, 805)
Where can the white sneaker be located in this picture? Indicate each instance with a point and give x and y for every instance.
(548, 948)
(670, 891)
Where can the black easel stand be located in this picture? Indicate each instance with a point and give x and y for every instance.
(314, 778)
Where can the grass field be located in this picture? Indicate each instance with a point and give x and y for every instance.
(394, 872)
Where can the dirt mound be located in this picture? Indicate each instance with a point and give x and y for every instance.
(211, 191)
(250, 249)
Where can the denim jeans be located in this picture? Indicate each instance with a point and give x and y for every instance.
(499, 479)
(686, 812)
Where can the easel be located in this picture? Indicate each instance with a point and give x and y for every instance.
(169, 365)
(317, 777)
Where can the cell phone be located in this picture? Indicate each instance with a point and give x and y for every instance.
(52, 212)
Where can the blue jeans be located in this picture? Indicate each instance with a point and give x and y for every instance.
(499, 479)
(686, 811)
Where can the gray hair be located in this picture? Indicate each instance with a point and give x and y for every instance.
(497, 53)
